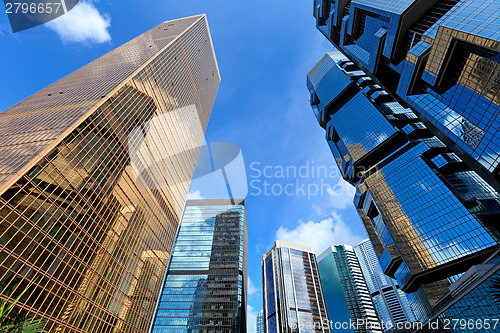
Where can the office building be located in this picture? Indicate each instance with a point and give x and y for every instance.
(441, 58)
(347, 298)
(205, 288)
(94, 173)
(260, 322)
(293, 296)
(474, 299)
(390, 302)
(428, 213)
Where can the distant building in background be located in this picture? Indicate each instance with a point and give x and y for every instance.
(205, 288)
(346, 294)
(431, 68)
(427, 212)
(260, 322)
(390, 302)
(293, 297)
(94, 172)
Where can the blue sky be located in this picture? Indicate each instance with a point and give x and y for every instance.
(264, 51)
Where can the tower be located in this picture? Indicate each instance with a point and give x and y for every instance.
(205, 287)
(391, 303)
(293, 296)
(425, 209)
(94, 172)
(347, 296)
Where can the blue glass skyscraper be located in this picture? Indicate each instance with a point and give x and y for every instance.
(440, 57)
(391, 303)
(205, 285)
(429, 213)
(441, 60)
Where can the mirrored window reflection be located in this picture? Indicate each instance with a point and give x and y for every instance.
(92, 233)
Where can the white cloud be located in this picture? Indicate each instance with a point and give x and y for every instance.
(320, 235)
(252, 289)
(251, 319)
(82, 24)
(340, 195)
(194, 195)
(318, 209)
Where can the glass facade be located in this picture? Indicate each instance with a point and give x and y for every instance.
(293, 296)
(473, 304)
(94, 172)
(347, 297)
(205, 285)
(440, 57)
(260, 322)
(429, 214)
(391, 303)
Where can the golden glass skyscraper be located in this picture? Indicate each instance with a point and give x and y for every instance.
(94, 172)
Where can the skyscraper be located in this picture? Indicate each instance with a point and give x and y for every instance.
(347, 297)
(94, 172)
(390, 302)
(441, 58)
(474, 299)
(260, 322)
(427, 212)
(205, 288)
(293, 296)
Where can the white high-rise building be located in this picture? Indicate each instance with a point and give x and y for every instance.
(391, 303)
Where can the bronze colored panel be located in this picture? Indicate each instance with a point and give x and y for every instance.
(94, 172)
